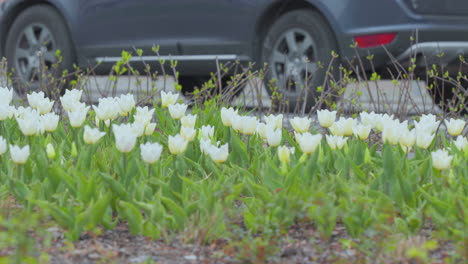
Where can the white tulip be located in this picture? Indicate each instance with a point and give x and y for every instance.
(218, 154)
(249, 125)
(70, 99)
(188, 121)
(19, 155)
(326, 118)
(107, 109)
(362, 131)
(391, 133)
(188, 133)
(336, 142)
(261, 130)
(427, 123)
(92, 135)
(149, 129)
(300, 124)
(236, 122)
(30, 122)
(337, 129)
(40, 102)
(207, 132)
(308, 142)
(371, 119)
(50, 121)
(168, 98)
(6, 95)
(227, 116)
(441, 159)
(204, 145)
(455, 126)
(143, 115)
(383, 120)
(6, 111)
(150, 152)
(461, 143)
(138, 128)
(126, 103)
(284, 154)
(407, 137)
(177, 144)
(347, 124)
(177, 111)
(273, 136)
(3, 145)
(78, 116)
(125, 138)
(275, 121)
(424, 139)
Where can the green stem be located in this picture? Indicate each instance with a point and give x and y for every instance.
(124, 164)
(149, 171)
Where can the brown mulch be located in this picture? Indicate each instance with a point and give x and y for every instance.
(301, 244)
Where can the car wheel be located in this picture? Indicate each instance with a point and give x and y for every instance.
(37, 30)
(293, 49)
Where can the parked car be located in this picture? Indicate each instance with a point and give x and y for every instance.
(291, 36)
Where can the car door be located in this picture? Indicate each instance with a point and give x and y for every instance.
(214, 26)
(177, 26)
(106, 27)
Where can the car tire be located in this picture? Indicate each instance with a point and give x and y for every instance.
(299, 45)
(37, 28)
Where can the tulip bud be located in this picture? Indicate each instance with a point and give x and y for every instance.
(3, 145)
(284, 154)
(19, 155)
(74, 151)
(441, 159)
(151, 152)
(326, 118)
(50, 150)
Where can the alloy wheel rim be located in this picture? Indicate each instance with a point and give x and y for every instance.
(293, 61)
(34, 44)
